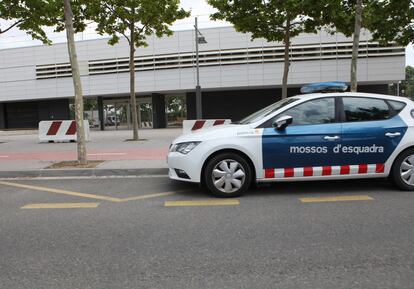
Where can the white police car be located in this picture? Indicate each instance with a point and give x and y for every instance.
(336, 135)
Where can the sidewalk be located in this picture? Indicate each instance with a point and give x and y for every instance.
(21, 150)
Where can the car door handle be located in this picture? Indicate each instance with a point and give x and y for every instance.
(335, 137)
(392, 134)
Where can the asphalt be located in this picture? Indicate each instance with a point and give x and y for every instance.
(269, 240)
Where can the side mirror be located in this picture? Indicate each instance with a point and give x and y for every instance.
(282, 122)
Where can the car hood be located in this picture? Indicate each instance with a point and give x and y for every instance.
(221, 131)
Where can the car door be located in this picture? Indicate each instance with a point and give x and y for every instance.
(371, 131)
(306, 146)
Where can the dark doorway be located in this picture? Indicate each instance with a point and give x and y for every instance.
(22, 115)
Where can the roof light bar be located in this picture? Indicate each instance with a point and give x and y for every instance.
(331, 86)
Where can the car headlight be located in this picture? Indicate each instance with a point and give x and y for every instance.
(184, 147)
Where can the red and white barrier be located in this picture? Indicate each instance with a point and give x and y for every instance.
(146, 124)
(199, 124)
(60, 131)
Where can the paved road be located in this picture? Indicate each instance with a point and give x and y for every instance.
(125, 236)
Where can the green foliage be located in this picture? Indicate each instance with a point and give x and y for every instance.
(391, 20)
(273, 20)
(79, 15)
(387, 20)
(29, 16)
(336, 15)
(144, 17)
(33, 15)
(90, 104)
(266, 18)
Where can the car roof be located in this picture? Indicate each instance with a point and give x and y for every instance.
(353, 94)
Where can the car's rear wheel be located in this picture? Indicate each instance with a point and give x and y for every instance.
(403, 170)
(227, 175)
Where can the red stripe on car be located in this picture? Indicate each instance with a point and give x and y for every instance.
(289, 172)
(379, 168)
(345, 170)
(326, 171)
(363, 169)
(269, 173)
(307, 171)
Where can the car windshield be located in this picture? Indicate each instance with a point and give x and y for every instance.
(258, 115)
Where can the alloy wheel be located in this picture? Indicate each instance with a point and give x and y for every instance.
(228, 176)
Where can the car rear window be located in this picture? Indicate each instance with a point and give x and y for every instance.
(397, 106)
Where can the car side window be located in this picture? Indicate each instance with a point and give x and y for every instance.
(316, 111)
(365, 109)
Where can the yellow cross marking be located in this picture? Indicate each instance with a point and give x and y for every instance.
(83, 195)
(147, 196)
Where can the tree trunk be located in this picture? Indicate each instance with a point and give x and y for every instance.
(80, 129)
(132, 83)
(287, 63)
(355, 47)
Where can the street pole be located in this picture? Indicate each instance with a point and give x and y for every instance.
(199, 107)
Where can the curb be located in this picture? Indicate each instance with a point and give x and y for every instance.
(83, 173)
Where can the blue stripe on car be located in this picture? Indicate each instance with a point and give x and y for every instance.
(304, 145)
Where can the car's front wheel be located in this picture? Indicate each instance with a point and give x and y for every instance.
(403, 170)
(227, 175)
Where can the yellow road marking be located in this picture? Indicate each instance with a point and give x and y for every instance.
(147, 196)
(336, 199)
(202, 203)
(83, 195)
(58, 191)
(61, 206)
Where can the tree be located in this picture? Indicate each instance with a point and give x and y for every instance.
(387, 20)
(355, 45)
(346, 17)
(391, 21)
(31, 16)
(27, 15)
(274, 20)
(135, 20)
(77, 84)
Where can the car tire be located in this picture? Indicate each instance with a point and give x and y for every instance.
(227, 175)
(402, 173)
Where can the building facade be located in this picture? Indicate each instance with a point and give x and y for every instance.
(237, 75)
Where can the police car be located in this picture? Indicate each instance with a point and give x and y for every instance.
(316, 136)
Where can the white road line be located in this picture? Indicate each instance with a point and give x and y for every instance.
(107, 154)
(4, 156)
